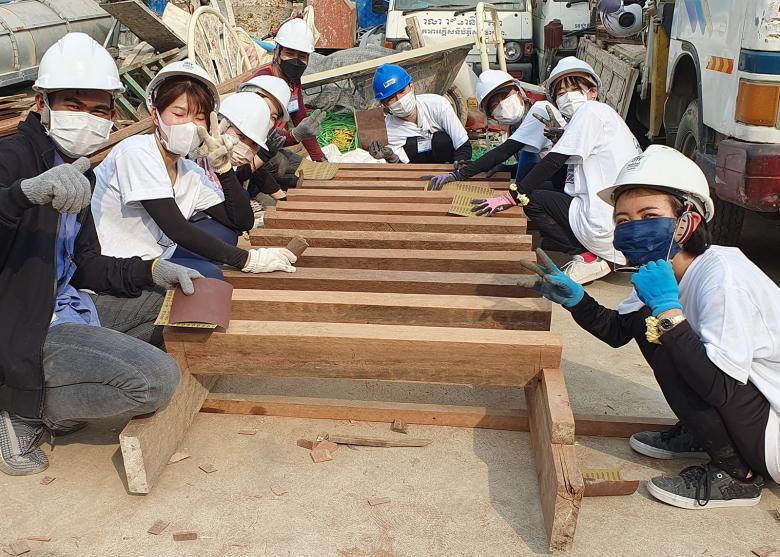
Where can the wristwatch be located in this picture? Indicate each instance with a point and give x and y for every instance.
(666, 324)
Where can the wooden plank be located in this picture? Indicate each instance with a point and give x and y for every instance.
(393, 240)
(358, 351)
(432, 209)
(552, 392)
(434, 310)
(370, 196)
(392, 223)
(507, 419)
(394, 185)
(449, 261)
(147, 442)
(370, 280)
(425, 168)
(561, 486)
(379, 172)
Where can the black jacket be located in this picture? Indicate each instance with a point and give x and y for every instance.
(28, 269)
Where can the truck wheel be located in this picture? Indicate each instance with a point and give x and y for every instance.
(726, 227)
(458, 102)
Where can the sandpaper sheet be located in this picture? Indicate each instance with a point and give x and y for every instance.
(208, 308)
(610, 474)
(317, 170)
(467, 187)
(371, 126)
(462, 203)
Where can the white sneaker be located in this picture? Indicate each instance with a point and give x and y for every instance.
(582, 273)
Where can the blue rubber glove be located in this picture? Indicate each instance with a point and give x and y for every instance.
(437, 181)
(553, 283)
(657, 287)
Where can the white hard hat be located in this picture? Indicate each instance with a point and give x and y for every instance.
(295, 35)
(274, 87)
(250, 114)
(77, 61)
(568, 66)
(664, 168)
(490, 81)
(186, 68)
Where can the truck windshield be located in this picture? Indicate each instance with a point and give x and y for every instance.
(451, 5)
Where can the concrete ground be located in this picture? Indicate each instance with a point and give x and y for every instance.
(469, 493)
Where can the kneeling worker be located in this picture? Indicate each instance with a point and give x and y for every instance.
(706, 319)
(420, 128)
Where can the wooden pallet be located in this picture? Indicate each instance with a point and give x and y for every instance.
(383, 293)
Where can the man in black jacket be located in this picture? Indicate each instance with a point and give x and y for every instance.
(58, 364)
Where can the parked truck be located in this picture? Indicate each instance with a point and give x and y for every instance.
(704, 76)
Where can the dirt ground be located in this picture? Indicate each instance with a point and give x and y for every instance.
(469, 493)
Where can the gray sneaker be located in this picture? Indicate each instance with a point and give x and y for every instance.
(20, 454)
(677, 442)
(706, 485)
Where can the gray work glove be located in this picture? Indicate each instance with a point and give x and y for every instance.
(552, 127)
(274, 141)
(379, 151)
(170, 275)
(64, 186)
(310, 126)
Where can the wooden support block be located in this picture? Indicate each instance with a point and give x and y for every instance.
(433, 310)
(399, 426)
(394, 240)
(358, 351)
(148, 442)
(507, 419)
(446, 261)
(158, 527)
(370, 196)
(320, 455)
(371, 280)
(185, 536)
(422, 209)
(387, 185)
(304, 221)
(561, 486)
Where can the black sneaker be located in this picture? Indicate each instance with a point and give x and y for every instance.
(20, 454)
(674, 443)
(705, 485)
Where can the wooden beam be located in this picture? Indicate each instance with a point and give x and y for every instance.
(449, 261)
(359, 351)
(392, 240)
(395, 185)
(370, 196)
(380, 172)
(432, 209)
(392, 223)
(434, 310)
(424, 168)
(561, 486)
(507, 419)
(370, 280)
(147, 442)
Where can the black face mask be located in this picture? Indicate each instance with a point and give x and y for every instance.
(292, 69)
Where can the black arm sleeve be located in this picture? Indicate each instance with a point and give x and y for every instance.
(235, 212)
(243, 173)
(492, 158)
(542, 172)
(608, 325)
(168, 217)
(463, 153)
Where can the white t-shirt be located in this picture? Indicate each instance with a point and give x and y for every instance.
(531, 131)
(434, 114)
(599, 143)
(735, 309)
(134, 171)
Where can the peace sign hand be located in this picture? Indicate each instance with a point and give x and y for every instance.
(216, 145)
(553, 283)
(552, 127)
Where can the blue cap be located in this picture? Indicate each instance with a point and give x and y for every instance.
(389, 79)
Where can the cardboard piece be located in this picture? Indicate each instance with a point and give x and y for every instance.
(207, 308)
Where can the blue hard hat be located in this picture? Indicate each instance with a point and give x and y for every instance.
(389, 79)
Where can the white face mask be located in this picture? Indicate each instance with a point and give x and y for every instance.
(77, 134)
(569, 103)
(404, 106)
(182, 139)
(510, 111)
(242, 154)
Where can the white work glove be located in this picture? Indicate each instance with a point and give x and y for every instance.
(267, 260)
(217, 146)
(310, 126)
(170, 275)
(64, 186)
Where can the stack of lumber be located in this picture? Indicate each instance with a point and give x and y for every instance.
(391, 288)
(13, 109)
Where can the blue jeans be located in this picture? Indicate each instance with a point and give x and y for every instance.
(205, 267)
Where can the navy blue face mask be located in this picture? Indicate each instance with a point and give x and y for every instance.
(642, 241)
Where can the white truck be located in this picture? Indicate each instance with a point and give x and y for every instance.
(708, 83)
(440, 20)
(574, 15)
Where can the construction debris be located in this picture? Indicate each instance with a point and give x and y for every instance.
(374, 501)
(305, 444)
(46, 480)
(320, 455)
(329, 446)
(376, 442)
(185, 536)
(278, 491)
(776, 514)
(17, 548)
(208, 468)
(399, 426)
(247, 431)
(158, 527)
(39, 538)
(765, 551)
(178, 457)
(601, 482)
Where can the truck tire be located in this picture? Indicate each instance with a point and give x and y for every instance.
(459, 103)
(726, 227)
